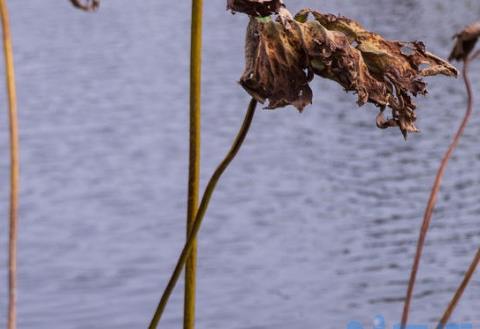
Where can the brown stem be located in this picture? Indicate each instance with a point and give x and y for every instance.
(433, 195)
(14, 166)
(458, 294)
(237, 143)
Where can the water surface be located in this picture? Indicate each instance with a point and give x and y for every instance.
(314, 224)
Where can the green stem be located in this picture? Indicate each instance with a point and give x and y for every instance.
(433, 195)
(458, 294)
(242, 133)
(14, 166)
(194, 158)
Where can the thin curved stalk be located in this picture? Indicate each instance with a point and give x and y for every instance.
(194, 158)
(458, 294)
(242, 133)
(433, 195)
(14, 166)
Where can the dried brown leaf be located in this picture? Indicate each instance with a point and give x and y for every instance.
(256, 8)
(276, 65)
(465, 42)
(87, 5)
(280, 55)
(383, 72)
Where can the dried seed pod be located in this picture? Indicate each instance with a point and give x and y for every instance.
(256, 8)
(282, 54)
(465, 42)
(89, 5)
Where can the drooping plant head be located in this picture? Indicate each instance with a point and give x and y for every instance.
(465, 41)
(259, 8)
(283, 53)
(87, 5)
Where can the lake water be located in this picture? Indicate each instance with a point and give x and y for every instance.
(313, 225)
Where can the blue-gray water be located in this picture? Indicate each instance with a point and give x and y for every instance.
(312, 226)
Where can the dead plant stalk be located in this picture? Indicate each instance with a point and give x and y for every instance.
(237, 143)
(14, 165)
(194, 158)
(458, 294)
(435, 189)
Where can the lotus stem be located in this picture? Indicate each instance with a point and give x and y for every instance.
(242, 133)
(194, 159)
(458, 294)
(14, 166)
(433, 195)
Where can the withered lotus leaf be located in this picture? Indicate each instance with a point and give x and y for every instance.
(465, 42)
(282, 53)
(276, 64)
(87, 5)
(257, 8)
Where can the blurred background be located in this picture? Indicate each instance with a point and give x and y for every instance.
(314, 224)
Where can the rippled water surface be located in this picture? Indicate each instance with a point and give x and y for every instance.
(313, 225)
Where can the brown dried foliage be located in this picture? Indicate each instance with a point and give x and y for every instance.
(283, 54)
(257, 8)
(275, 65)
(465, 42)
(88, 5)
